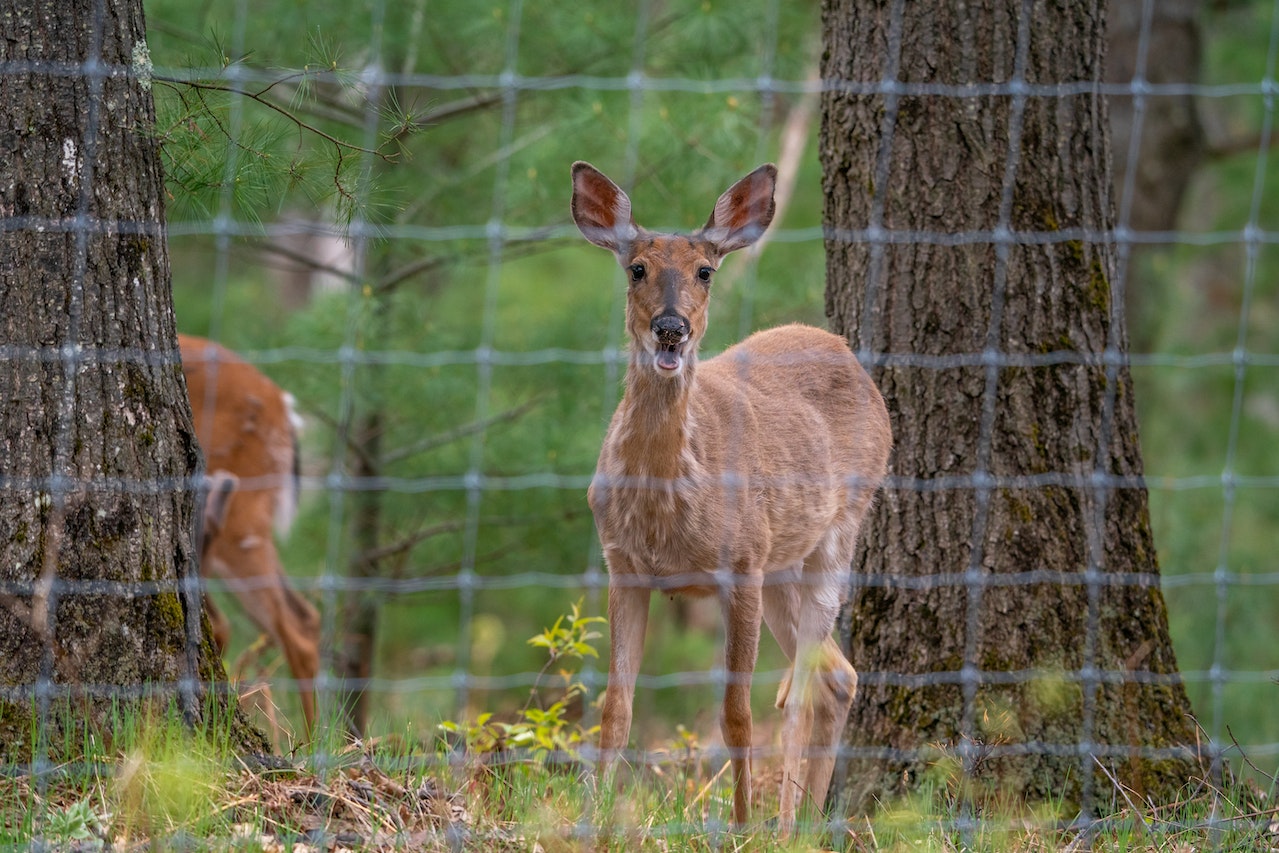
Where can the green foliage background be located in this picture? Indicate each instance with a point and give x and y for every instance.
(1208, 317)
(464, 157)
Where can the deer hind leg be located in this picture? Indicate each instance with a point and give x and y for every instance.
(298, 633)
(783, 607)
(817, 692)
(832, 680)
(833, 690)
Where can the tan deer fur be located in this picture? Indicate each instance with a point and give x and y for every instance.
(247, 428)
(746, 475)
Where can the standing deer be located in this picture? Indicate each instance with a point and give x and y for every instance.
(746, 475)
(247, 428)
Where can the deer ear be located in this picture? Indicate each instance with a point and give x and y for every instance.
(220, 486)
(743, 211)
(601, 210)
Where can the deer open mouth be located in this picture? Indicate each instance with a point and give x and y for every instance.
(669, 353)
(669, 357)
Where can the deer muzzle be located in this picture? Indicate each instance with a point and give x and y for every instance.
(671, 331)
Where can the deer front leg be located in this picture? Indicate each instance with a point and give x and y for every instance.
(627, 619)
(742, 609)
(253, 566)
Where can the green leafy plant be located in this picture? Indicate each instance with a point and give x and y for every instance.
(573, 638)
(79, 822)
(542, 731)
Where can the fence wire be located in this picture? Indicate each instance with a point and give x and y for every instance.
(329, 482)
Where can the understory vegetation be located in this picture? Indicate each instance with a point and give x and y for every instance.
(523, 783)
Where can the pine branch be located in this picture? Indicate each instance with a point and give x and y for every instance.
(340, 144)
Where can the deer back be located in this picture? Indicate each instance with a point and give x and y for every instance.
(245, 425)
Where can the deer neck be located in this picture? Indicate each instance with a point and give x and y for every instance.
(657, 431)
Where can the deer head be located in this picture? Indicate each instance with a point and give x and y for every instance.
(670, 274)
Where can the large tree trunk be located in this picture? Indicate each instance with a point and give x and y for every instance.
(1006, 611)
(96, 508)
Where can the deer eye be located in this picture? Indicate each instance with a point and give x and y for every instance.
(704, 273)
(637, 272)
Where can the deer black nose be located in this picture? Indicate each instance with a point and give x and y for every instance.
(670, 328)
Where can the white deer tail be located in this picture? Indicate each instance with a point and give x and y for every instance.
(286, 501)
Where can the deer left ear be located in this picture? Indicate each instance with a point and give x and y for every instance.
(743, 212)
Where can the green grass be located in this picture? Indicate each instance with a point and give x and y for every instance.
(518, 782)
(162, 787)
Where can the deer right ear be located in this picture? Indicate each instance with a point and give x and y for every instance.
(601, 210)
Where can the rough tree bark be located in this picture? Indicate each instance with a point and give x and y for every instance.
(1006, 612)
(98, 449)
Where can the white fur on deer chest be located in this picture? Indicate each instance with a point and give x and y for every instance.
(666, 527)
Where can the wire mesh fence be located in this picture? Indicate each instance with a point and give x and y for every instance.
(456, 355)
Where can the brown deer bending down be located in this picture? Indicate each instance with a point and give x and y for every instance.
(247, 428)
(746, 475)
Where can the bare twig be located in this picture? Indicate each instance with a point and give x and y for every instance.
(457, 433)
(306, 261)
(430, 443)
(349, 440)
(1246, 759)
(701, 795)
(795, 131)
(453, 566)
(1123, 792)
(459, 108)
(401, 549)
(395, 278)
(1238, 143)
(406, 543)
